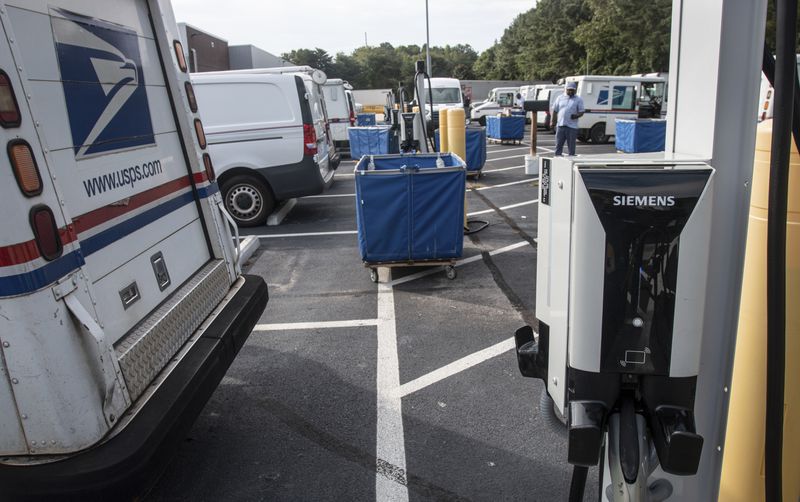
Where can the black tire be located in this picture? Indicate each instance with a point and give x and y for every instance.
(583, 138)
(248, 199)
(598, 133)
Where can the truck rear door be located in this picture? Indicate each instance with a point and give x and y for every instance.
(104, 112)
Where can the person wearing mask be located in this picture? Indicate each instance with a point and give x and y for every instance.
(567, 109)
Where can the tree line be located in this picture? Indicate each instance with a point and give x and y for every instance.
(556, 38)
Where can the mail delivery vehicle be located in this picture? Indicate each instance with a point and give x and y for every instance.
(122, 301)
(341, 111)
(608, 98)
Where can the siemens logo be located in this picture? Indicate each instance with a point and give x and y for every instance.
(644, 200)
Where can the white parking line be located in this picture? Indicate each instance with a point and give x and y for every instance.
(307, 234)
(501, 169)
(456, 367)
(326, 196)
(391, 483)
(501, 185)
(512, 206)
(489, 152)
(463, 261)
(506, 158)
(315, 325)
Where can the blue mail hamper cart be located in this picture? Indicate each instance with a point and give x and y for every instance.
(409, 211)
(505, 129)
(641, 135)
(374, 140)
(476, 149)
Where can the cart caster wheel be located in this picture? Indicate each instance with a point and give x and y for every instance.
(373, 274)
(450, 272)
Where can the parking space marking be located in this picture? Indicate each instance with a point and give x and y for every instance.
(345, 175)
(502, 169)
(507, 149)
(463, 261)
(328, 196)
(286, 326)
(308, 234)
(391, 483)
(512, 206)
(506, 158)
(501, 185)
(456, 367)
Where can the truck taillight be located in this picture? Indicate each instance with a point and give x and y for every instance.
(45, 231)
(9, 110)
(179, 56)
(201, 135)
(190, 97)
(352, 118)
(24, 166)
(309, 139)
(210, 174)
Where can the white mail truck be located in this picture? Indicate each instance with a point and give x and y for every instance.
(122, 301)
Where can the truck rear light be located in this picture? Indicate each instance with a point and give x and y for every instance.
(179, 56)
(9, 110)
(190, 97)
(201, 135)
(23, 163)
(45, 231)
(210, 174)
(309, 139)
(352, 118)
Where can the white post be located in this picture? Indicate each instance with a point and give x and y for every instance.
(715, 68)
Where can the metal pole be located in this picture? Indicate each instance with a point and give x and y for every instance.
(427, 42)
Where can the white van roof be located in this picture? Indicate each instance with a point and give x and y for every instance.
(444, 82)
(615, 78)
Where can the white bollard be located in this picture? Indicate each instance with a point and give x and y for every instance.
(532, 165)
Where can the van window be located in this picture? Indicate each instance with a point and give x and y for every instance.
(442, 95)
(505, 99)
(624, 96)
(262, 102)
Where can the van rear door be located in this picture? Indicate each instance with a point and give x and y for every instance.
(115, 151)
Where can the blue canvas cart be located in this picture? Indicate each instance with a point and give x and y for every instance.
(641, 135)
(409, 211)
(476, 149)
(365, 119)
(505, 129)
(374, 140)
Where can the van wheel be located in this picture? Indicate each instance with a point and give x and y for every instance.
(598, 133)
(482, 121)
(248, 199)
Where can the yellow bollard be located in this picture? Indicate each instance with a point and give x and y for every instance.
(444, 144)
(743, 462)
(457, 140)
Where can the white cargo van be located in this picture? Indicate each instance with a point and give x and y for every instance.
(446, 93)
(327, 157)
(262, 138)
(549, 93)
(122, 303)
(499, 98)
(341, 111)
(608, 98)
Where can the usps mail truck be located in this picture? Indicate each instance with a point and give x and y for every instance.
(122, 301)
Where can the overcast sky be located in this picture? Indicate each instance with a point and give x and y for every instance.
(279, 26)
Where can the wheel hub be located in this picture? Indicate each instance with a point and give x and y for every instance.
(244, 202)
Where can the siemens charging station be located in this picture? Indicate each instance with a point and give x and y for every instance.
(623, 246)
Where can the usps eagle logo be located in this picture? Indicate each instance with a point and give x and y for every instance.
(103, 82)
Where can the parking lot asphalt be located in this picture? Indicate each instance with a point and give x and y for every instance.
(403, 390)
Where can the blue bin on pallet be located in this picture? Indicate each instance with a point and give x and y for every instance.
(505, 128)
(641, 135)
(476, 147)
(409, 210)
(365, 119)
(374, 140)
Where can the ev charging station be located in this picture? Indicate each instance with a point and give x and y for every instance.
(639, 273)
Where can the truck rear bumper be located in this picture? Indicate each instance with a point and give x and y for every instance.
(128, 464)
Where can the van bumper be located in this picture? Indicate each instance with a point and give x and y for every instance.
(128, 464)
(294, 180)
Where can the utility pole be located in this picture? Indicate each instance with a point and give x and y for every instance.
(427, 41)
(365, 40)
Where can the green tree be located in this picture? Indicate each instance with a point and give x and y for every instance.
(316, 58)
